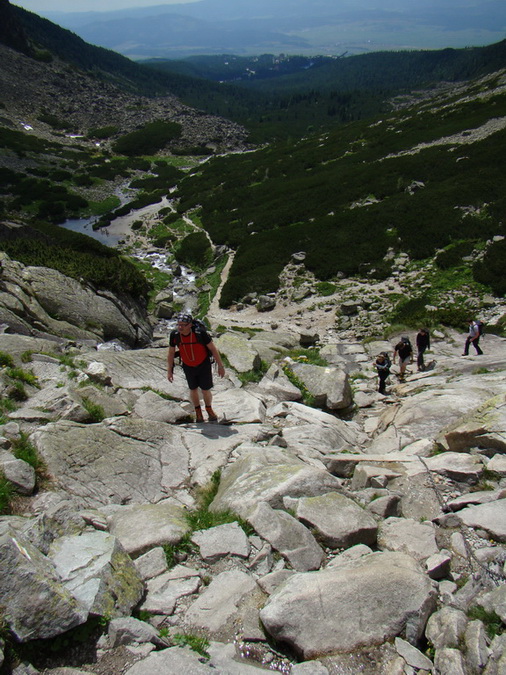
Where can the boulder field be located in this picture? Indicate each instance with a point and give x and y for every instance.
(365, 535)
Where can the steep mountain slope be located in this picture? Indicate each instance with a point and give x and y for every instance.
(425, 180)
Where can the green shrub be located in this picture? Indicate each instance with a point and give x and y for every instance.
(94, 410)
(22, 376)
(490, 270)
(197, 643)
(6, 494)
(6, 360)
(23, 449)
(152, 137)
(194, 250)
(101, 133)
(325, 288)
(452, 255)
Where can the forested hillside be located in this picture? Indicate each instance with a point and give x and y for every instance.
(422, 180)
(351, 188)
(273, 97)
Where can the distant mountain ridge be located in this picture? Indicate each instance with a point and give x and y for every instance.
(290, 26)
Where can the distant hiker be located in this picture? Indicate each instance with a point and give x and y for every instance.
(422, 343)
(195, 350)
(473, 337)
(382, 365)
(404, 350)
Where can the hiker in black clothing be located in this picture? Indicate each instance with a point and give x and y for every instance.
(382, 365)
(473, 338)
(405, 352)
(422, 343)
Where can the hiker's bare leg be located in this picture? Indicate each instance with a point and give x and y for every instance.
(194, 397)
(207, 396)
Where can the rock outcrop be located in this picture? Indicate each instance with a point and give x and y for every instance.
(350, 542)
(42, 301)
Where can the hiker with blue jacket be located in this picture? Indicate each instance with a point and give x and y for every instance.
(195, 350)
(473, 338)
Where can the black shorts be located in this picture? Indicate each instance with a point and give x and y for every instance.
(199, 376)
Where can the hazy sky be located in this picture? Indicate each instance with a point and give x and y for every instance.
(88, 5)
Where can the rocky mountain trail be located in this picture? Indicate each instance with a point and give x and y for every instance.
(366, 522)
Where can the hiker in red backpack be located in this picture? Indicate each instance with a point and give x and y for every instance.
(473, 337)
(195, 349)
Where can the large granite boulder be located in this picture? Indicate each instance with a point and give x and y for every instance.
(95, 568)
(329, 386)
(363, 603)
(35, 603)
(267, 475)
(38, 298)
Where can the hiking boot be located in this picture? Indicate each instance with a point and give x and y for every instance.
(211, 415)
(199, 417)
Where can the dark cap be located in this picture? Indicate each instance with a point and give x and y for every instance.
(184, 317)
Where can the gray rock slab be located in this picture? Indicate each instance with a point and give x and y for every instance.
(221, 541)
(268, 475)
(484, 429)
(211, 445)
(17, 472)
(477, 651)
(173, 660)
(277, 385)
(366, 475)
(140, 527)
(284, 533)
(151, 406)
(147, 368)
(111, 405)
(152, 563)
(329, 386)
(474, 498)
(449, 662)
(338, 521)
(96, 570)
(497, 464)
(413, 656)
(426, 413)
(125, 460)
(316, 440)
(163, 592)
(408, 536)
(36, 604)
(55, 403)
(128, 630)
(239, 406)
(446, 627)
(368, 601)
(270, 582)
(16, 345)
(239, 351)
(72, 302)
(494, 601)
(489, 517)
(457, 466)
(349, 555)
(219, 603)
